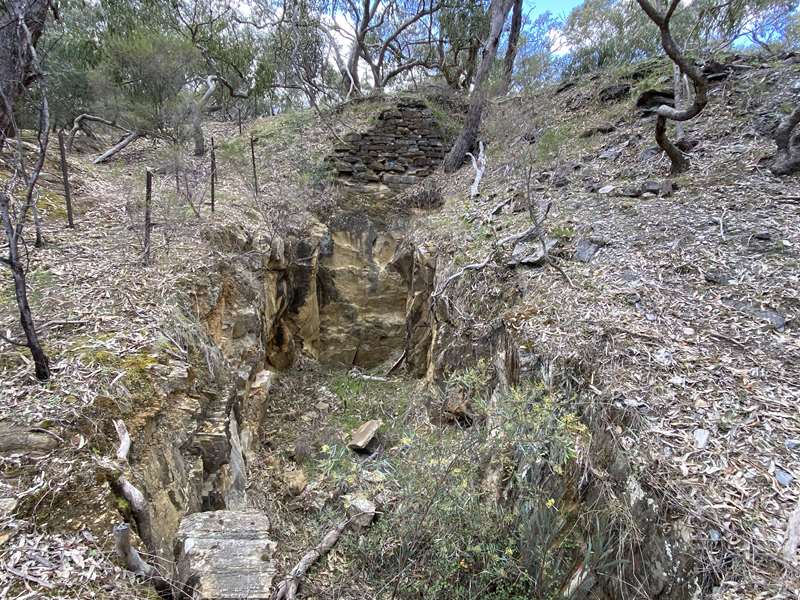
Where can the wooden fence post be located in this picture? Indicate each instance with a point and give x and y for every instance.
(213, 174)
(65, 176)
(147, 208)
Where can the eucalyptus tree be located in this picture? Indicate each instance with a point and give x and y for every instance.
(392, 37)
(498, 12)
(461, 28)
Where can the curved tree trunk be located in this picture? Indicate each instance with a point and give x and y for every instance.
(787, 160)
(498, 11)
(664, 113)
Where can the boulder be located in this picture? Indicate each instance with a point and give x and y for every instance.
(224, 555)
(360, 509)
(586, 248)
(531, 253)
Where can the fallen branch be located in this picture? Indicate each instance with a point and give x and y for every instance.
(499, 207)
(132, 136)
(396, 364)
(126, 551)
(115, 472)
(522, 236)
(287, 589)
(479, 165)
(124, 440)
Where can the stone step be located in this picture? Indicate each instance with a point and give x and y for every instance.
(225, 555)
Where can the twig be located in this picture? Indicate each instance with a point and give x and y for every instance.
(459, 273)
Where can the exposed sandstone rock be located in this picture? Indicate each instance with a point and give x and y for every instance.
(224, 555)
(364, 434)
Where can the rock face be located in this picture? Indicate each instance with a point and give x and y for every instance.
(405, 146)
(362, 307)
(224, 555)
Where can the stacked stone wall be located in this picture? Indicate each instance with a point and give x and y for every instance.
(405, 146)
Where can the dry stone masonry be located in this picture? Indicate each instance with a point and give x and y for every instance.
(404, 147)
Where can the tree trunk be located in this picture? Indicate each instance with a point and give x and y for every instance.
(197, 134)
(17, 71)
(679, 162)
(511, 51)
(352, 86)
(498, 11)
(20, 289)
(40, 361)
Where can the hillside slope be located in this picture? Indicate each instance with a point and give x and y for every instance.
(659, 332)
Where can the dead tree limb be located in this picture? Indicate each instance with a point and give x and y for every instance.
(787, 159)
(126, 551)
(124, 441)
(78, 125)
(287, 589)
(115, 472)
(664, 113)
(479, 164)
(118, 147)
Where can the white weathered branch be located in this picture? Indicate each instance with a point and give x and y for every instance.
(126, 551)
(124, 440)
(77, 125)
(479, 164)
(471, 267)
